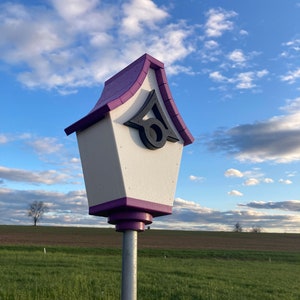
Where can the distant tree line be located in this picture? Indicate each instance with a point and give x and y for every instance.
(238, 228)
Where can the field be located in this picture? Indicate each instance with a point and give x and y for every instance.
(85, 263)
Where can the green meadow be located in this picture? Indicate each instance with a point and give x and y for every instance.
(65, 272)
(85, 263)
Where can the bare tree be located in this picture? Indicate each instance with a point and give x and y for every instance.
(256, 229)
(237, 227)
(36, 210)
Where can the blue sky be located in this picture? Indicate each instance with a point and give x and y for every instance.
(234, 71)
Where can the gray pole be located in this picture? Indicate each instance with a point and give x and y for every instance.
(129, 265)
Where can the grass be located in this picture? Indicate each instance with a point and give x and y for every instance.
(221, 279)
(95, 273)
(85, 263)
(59, 274)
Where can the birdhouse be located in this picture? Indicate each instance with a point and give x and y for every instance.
(130, 146)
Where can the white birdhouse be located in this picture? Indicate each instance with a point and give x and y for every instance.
(130, 146)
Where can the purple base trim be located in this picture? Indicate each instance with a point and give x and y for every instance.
(130, 220)
(130, 204)
(130, 213)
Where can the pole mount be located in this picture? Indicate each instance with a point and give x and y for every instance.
(130, 220)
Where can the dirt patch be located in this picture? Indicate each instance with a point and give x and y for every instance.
(221, 240)
(160, 239)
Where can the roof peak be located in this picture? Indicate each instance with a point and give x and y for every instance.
(119, 88)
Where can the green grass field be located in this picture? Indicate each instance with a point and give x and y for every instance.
(76, 272)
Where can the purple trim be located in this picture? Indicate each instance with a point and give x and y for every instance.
(130, 220)
(115, 217)
(122, 86)
(130, 204)
(130, 225)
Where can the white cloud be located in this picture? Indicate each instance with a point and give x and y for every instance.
(251, 181)
(233, 173)
(82, 43)
(292, 49)
(294, 44)
(48, 177)
(74, 9)
(196, 178)
(262, 73)
(291, 173)
(211, 44)
(243, 32)
(245, 80)
(291, 205)
(6, 138)
(268, 180)
(74, 160)
(218, 21)
(292, 106)
(235, 193)
(180, 203)
(285, 181)
(45, 145)
(3, 139)
(237, 56)
(139, 14)
(254, 177)
(242, 81)
(210, 52)
(291, 54)
(217, 76)
(228, 61)
(170, 46)
(291, 76)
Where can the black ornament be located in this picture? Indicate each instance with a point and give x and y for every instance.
(154, 132)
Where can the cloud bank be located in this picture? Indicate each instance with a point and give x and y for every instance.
(275, 139)
(289, 205)
(70, 209)
(46, 177)
(66, 45)
(69, 44)
(201, 218)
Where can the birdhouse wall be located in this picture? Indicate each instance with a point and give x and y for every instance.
(100, 163)
(149, 175)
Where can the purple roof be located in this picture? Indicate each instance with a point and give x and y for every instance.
(122, 86)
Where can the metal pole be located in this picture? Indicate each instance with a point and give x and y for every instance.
(129, 265)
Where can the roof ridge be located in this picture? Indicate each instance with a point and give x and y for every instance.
(123, 85)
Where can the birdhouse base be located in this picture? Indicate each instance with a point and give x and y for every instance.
(130, 220)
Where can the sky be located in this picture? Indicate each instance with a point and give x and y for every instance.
(233, 68)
